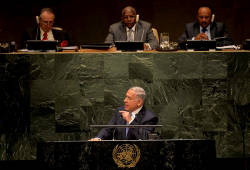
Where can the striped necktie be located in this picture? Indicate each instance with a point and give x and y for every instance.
(45, 36)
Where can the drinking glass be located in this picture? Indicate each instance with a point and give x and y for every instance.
(164, 37)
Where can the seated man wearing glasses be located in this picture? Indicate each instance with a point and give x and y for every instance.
(45, 30)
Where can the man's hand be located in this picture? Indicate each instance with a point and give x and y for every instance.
(125, 115)
(201, 36)
(147, 47)
(95, 139)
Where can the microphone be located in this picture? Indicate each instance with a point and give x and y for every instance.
(37, 19)
(114, 134)
(137, 18)
(37, 28)
(212, 18)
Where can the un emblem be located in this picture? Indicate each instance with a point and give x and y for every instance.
(126, 155)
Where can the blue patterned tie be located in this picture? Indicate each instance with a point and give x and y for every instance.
(204, 30)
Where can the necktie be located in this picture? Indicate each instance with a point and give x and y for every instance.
(45, 36)
(130, 37)
(127, 129)
(204, 30)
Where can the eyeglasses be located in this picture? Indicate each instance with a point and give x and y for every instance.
(47, 22)
(128, 16)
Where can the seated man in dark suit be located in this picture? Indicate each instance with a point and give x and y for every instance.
(131, 30)
(204, 28)
(132, 113)
(45, 30)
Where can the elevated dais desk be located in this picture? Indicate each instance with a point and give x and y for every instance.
(120, 154)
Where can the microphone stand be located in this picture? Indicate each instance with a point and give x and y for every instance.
(37, 27)
(37, 31)
(114, 134)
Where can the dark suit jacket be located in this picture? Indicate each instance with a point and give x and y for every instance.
(217, 29)
(144, 117)
(34, 34)
(143, 32)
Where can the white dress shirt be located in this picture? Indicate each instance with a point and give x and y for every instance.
(49, 35)
(207, 31)
(133, 33)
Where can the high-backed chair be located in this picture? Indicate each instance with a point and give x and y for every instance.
(155, 34)
(57, 28)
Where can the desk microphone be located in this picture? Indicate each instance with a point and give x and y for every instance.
(114, 134)
(212, 18)
(37, 28)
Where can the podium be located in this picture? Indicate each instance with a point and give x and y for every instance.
(127, 154)
(142, 135)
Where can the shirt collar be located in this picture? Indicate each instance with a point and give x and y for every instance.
(137, 111)
(133, 28)
(41, 31)
(208, 28)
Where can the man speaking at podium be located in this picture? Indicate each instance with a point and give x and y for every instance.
(132, 113)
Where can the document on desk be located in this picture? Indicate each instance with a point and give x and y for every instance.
(228, 47)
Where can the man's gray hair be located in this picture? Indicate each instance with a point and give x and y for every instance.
(49, 10)
(140, 92)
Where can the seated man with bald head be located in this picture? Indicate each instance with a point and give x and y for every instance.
(203, 28)
(132, 113)
(128, 29)
(45, 30)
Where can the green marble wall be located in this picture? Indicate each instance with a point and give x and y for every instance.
(196, 95)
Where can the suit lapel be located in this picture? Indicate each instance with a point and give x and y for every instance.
(196, 30)
(123, 33)
(55, 34)
(212, 30)
(36, 34)
(136, 121)
(138, 32)
(139, 116)
(122, 130)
